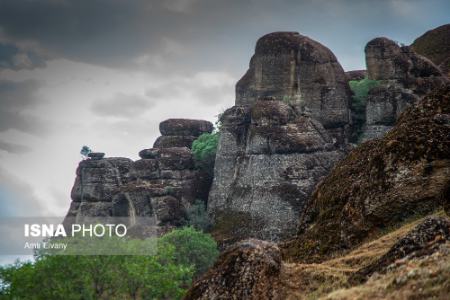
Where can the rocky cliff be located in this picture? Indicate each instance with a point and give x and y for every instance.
(435, 45)
(288, 127)
(404, 78)
(160, 186)
(380, 183)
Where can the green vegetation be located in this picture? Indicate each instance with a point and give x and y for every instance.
(192, 248)
(165, 275)
(204, 149)
(360, 90)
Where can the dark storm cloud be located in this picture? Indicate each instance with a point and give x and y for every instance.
(17, 101)
(122, 105)
(14, 148)
(171, 35)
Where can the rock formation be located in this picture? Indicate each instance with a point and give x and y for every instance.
(247, 270)
(423, 240)
(380, 183)
(435, 45)
(356, 75)
(295, 69)
(272, 149)
(181, 132)
(404, 77)
(160, 186)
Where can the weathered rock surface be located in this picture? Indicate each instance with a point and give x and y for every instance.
(268, 161)
(435, 45)
(356, 74)
(295, 69)
(404, 76)
(424, 239)
(290, 121)
(160, 186)
(380, 183)
(185, 127)
(247, 270)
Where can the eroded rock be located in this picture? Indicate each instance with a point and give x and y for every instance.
(404, 79)
(295, 69)
(247, 270)
(380, 183)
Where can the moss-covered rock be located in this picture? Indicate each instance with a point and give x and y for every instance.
(380, 183)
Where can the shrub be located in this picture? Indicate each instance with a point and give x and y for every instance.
(360, 90)
(204, 150)
(192, 248)
(165, 275)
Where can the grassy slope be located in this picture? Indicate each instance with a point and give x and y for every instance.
(411, 280)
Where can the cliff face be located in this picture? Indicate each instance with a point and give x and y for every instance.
(295, 69)
(160, 186)
(380, 183)
(290, 120)
(404, 76)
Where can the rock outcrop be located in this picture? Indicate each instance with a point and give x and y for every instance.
(423, 240)
(295, 69)
(247, 270)
(181, 132)
(290, 120)
(356, 74)
(404, 76)
(380, 183)
(435, 45)
(160, 186)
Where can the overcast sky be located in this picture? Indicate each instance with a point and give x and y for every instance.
(104, 73)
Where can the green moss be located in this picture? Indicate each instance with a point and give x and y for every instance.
(360, 89)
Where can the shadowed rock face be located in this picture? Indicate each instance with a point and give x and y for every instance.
(247, 270)
(435, 45)
(160, 186)
(405, 77)
(181, 132)
(293, 68)
(268, 161)
(380, 183)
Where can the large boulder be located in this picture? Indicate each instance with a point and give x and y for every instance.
(248, 270)
(293, 68)
(268, 161)
(380, 183)
(184, 127)
(435, 45)
(404, 78)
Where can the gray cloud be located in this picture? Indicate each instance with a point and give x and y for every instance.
(11, 57)
(207, 88)
(17, 197)
(122, 105)
(17, 100)
(14, 148)
(178, 35)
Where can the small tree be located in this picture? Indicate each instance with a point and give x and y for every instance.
(85, 150)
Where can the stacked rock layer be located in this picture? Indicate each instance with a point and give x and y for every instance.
(160, 186)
